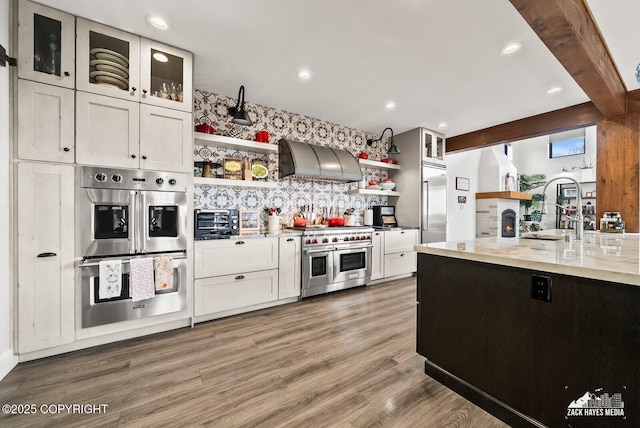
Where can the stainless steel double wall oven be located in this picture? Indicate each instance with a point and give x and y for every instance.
(126, 214)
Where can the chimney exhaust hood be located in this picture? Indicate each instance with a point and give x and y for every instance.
(313, 162)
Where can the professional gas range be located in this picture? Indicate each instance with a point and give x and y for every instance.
(335, 258)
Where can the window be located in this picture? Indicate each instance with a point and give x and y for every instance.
(569, 147)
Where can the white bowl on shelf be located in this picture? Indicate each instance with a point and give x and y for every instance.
(377, 187)
(388, 185)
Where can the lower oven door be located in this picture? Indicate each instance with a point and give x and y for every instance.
(317, 269)
(100, 311)
(352, 265)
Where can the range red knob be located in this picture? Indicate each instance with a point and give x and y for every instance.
(335, 239)
(353, 238)
(308, 241)
(315, 241)
(325, 240)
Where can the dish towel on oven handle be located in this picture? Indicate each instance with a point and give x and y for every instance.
(110, 279)
(164, 272)
(141, 279)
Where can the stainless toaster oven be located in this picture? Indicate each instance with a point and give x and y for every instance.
(215, 224)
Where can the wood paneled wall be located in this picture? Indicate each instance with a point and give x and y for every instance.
(617, 168)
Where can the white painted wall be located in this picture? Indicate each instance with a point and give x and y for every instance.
(461, 218)
(7, 359)
(532, 156)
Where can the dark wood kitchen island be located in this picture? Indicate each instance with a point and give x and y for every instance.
(537, 332)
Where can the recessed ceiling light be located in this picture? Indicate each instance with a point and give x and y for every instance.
(442, 125)
(304, 74)
(160, 57)
(510, 48)
(157, 22)
(390, 105)
(554, 90)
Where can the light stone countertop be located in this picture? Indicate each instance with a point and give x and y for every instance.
(606, 256)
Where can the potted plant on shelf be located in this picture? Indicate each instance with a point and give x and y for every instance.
(527, 184)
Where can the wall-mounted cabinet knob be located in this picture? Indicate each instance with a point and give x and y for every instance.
(66, 73)
(133, 90)
(66, 149)
(133, 156)
(144, 91)
(144, 157)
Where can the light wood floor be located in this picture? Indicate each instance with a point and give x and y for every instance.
(343, 360)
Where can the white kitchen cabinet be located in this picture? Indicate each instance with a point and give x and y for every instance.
(45, 256)
(433, 147)
(377, 256)
(107, 131)
(402, 263)
(107, 61)
(229, 292)
(119, 133)
(230, 256)
(166, 76)
(289, 266)
(119, 64)
(45, 122)
(396, 241)
(399, 256)
(46, 45)
(165, 139)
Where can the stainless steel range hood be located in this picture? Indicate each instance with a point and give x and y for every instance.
(312, 162)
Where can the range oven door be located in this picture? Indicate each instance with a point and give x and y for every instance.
(107, 222)
(317, 268)
(100, 311)
(352, 264)
(164, 222)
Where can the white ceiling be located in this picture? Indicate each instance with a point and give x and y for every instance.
(438, 60)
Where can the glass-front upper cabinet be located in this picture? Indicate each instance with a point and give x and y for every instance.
(166, 76)
(107, 61)
(46, 45)
(433, 147)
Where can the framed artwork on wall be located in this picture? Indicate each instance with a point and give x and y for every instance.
(462, 183)
(249, 221)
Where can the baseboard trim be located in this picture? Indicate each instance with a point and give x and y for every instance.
(480, 398)
(8, 360)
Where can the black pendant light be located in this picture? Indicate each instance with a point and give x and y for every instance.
(240, 115)
(393, 149)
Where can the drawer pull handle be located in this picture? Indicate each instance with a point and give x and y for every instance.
(239, 242)
(402, 232)
(47, 255)
(290, 240)
(402, 255)
(240, 277)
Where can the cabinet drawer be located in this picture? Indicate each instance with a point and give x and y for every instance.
(229, 256)
(400, 263)
(396, 241)
(223, 293)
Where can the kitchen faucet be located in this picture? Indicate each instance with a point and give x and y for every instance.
(578, 217)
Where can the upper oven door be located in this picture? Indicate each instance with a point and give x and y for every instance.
(106, 222)
(352, 263)
(163, 217)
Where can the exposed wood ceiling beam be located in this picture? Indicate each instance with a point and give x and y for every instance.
(567, 28)
(564, 119)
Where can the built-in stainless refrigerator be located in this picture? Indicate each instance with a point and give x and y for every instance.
(433, 222)
(421, 181)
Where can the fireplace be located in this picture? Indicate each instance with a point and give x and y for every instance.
(508, 223)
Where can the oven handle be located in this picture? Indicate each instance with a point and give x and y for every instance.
(324, 250)
(354, 248)
(92, 264)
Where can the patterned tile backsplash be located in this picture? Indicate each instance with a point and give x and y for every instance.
(291, 194)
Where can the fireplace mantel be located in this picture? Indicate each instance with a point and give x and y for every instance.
(521, 196)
